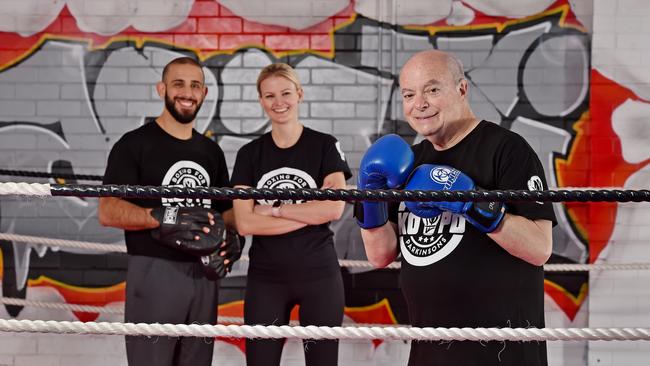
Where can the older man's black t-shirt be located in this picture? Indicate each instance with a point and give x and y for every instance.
(455, 276)
(150, 156)
(307, 253)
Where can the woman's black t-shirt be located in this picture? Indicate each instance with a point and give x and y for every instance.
(307, 253)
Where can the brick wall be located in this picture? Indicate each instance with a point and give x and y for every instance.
(622, 298)
(70, 89)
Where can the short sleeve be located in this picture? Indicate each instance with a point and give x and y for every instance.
(519, 168)
(242, 174)
(334, 159)
(122, 166)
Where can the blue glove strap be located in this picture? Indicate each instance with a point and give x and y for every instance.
(485, 216)
(371, 214)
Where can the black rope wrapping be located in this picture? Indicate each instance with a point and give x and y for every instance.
(132, 191)
(26, 173)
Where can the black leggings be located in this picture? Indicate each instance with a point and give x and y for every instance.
(270, 303)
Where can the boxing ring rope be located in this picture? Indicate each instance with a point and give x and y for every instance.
(314, 332)
(119, 248)
(119, 310)
(135, 191)
(32, 174)
(322, 332)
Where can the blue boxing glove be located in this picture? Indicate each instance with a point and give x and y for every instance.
(386, 164)
(485, 216)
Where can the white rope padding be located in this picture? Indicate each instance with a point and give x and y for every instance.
(558, 267)
(315, 332)
(62, 243)
(63, 306)
(120, 310)
(119, 248)
(25, 189)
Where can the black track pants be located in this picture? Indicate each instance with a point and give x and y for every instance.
(163, 291)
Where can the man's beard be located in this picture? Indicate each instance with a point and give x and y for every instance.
(183, 118)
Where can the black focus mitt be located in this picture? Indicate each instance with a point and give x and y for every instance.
(214, 264)
(182, 228)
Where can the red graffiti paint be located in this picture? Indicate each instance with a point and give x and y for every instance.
(209, 28)
(378, 313)
(83, 296)
(607, 167)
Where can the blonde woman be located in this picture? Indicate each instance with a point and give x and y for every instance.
(292, 258)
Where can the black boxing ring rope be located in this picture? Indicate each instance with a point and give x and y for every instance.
(313, 332)
(391, 195)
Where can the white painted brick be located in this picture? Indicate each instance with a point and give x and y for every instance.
(58, 74)
(303, 75)
(129, 58)
(239, 76)
(634, 41)
(37, 360)
(632, 7)
(229, 92)
(603, 41)
(94, 360)
(139, 75)
(17, 108)
(37, 91)
(331, 76)
(128, 92)
(629, 358)
(58, 108)
(355, 93)
(318, 93)
(7, 91)
(80, 345)
(137, 109)
(599, 358)
(605, 24)
(632, 24)
(604, 8)
(332, 110)
(106, 109)
(6, 360)
(241, 109)
(23, 74)
(366, 110)
(17, 344)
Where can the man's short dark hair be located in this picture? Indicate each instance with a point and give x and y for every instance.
(182, 61)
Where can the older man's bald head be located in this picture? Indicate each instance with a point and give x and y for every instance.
(426, 58)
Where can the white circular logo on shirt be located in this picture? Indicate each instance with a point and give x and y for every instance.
(288, 178)
(338, 148)
(186, 173)
(535, 184)
(426, 241)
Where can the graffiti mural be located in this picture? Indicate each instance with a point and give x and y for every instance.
(74, 78)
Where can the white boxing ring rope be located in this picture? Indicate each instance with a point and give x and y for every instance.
(119, 248)
(321, 332)
(286, 331)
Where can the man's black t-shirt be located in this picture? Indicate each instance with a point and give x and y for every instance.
(307, 253)
(455, 276)
(150, 156)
